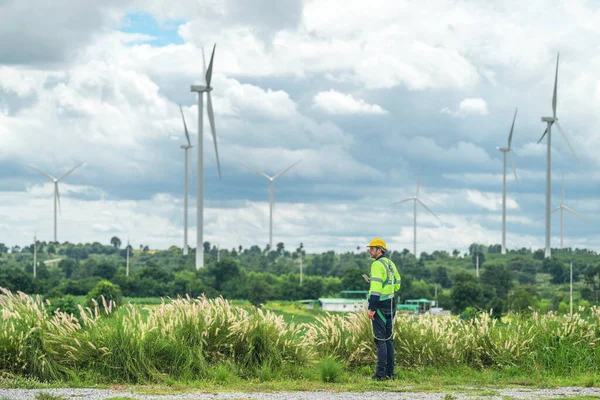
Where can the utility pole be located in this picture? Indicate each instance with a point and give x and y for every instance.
(300, 269)
(34, 256)
(127, 268)
(477, 265)
(571, 291)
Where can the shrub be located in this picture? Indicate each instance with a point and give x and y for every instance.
(66, 304)
(107, 290)
(330, 370)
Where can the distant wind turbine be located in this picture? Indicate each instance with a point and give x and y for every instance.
(271, 180)
(549, 122)
(507, 150)
(415, 199)
(562, 208)
(201, 89)
(186, 148)
(56, 191)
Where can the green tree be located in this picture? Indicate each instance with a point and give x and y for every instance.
(559, 272)
(498, 277)
(14, 278)
(106, 289)
(466, 292)
(353, 280)
(258, 290)
(223, 272)
(105, 270)
(591, 278)
(115, 242)
(539, 255)
(68, 266)
(521, 300)
(440, 276)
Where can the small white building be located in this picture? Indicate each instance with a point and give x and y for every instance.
(343, 305)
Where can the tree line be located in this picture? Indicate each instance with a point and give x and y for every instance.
(263, 274)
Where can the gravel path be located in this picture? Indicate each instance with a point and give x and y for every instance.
(470, 393)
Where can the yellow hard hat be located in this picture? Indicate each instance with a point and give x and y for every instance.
(377, 242)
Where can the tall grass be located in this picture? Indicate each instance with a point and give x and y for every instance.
(549, 342)
(181, 339)
(190, 339)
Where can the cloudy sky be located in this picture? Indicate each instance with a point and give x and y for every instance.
(364, 96)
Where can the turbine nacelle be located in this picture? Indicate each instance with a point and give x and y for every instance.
(549, 119)
(200, 88)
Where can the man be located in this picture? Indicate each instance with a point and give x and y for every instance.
(385, 283)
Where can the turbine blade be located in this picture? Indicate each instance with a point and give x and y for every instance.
(187, 135)
(566, 140)
(256, 171)
(210, 67)
(427, 208)
(402, 201)
(511, 129)
(419, 183)
(555, 209)
(571, 211)
(71, 170)
(546, 131)
(555, 87)
(286, 170)
(58, 197)
(512, 163)
(211, 119)
(42, 172)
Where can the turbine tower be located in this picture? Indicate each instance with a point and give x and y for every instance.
(186, 148)
(549, 122)
(271, 180)
(56, 191)
(505, 151)
(415, 199)
(201, 89)
(562, 208)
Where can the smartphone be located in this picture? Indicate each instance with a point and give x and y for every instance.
(366, 278)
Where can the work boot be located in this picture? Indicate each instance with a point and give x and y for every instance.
(378, 378)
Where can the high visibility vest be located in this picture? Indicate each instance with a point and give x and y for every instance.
(382, 273)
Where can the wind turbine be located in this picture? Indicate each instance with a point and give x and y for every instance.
(562, 208)
(549, 122)
(415, 199)
(56, 192)
(271, 180)
(507, 150)
(201, 89)
(186, 148)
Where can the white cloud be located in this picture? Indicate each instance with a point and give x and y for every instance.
(52, 32)
(490, 201)
(250, 101)
(334, 102)
(471, 106)
(462, 153)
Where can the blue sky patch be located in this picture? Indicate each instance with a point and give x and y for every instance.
(142, 22)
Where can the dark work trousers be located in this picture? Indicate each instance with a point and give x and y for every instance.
(382, 330)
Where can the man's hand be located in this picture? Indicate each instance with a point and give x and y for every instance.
(366, 278)
(371, 315)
